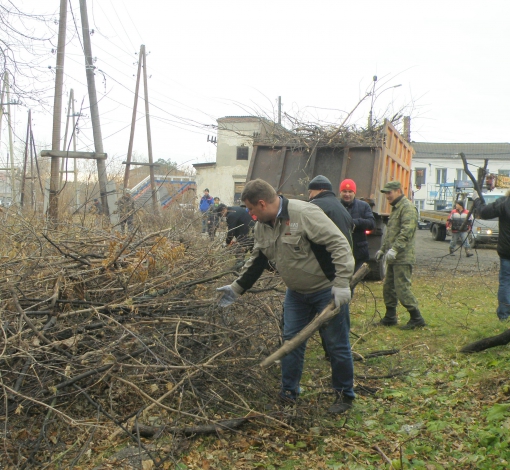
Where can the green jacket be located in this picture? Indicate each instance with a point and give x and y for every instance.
(400, 232)
(310, 252)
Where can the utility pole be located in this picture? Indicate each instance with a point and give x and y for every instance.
(77, 202)
(11, 145)
(57, 114)
(94, 109)
(374, 78)
(149, 137)
(24, 174)
(64, 162)
(280, 110)
(142, 62)
(133, 121)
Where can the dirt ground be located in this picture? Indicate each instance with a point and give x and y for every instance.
(432, 256)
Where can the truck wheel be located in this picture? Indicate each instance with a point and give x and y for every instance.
(438, 232)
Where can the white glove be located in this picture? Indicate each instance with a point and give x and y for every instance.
(342, 295)
(391, 255)
(379, 255)
(228, 297)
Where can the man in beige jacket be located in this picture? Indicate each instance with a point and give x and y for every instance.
(315, 261)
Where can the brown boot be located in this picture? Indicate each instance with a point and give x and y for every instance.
(468, 252)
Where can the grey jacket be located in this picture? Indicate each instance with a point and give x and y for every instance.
(310, 252)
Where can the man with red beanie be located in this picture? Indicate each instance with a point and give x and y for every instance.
(363, 220)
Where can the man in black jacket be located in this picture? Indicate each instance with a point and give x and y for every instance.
(320, 193)
(240, 225)
(363, 220)
(501, 209)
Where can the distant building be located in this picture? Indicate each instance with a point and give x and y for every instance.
(437, 169)
(226, 176)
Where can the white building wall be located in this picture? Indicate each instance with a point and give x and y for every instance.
(424, 197)
(221, 178)
(220, 181)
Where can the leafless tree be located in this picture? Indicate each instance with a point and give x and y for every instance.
(26, 44)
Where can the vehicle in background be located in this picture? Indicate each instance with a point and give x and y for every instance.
(483, 231)
(288, 165)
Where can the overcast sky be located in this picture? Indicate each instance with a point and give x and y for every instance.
(210, 59)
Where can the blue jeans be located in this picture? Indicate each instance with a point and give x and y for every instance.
(299, 310)
(461, 237)
(503, 310)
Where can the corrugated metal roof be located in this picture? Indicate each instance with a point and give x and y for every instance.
(471, 150)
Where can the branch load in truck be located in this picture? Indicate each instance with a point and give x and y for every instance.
(288, 163)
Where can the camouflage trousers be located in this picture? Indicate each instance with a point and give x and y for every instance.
(397, 286)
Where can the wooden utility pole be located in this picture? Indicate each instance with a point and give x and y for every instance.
(133, 121)
(142, 61)
(11, 145)
(75, 168)
(149, 137)
(65, 146)
(27, 146)
(94, 109)
(280, 110)
(57, 114)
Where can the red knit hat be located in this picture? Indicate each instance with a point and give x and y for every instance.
(348, 185)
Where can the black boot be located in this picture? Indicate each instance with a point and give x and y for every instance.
(416, 321)
(390, 319)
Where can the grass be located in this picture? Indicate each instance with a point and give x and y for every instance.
(444, 410)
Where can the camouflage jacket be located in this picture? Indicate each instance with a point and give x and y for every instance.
(400, 232)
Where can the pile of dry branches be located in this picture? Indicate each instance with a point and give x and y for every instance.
(103, 334)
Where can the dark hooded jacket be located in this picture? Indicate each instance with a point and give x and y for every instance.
(363, 220)
(334, 209)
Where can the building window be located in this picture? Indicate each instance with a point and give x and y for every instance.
(419, 203)
(461, 175)
(504, 172)
(238, 190)
(419, 176)
(242, 153)
(441, 175)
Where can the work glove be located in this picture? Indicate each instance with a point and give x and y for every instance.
(379, 255)
(228, 297)
(342, 295)
(391, 255)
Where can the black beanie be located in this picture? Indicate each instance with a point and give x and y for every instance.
(320, 182)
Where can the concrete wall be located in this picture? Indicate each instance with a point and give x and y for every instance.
(220, 180)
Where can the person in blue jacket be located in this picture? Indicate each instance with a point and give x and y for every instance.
(363, 220)
(205, 203)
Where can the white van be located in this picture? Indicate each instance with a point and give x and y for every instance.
(486, 231)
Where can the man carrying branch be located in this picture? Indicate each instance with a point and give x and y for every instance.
(315, 261)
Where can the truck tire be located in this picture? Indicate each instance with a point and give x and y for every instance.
(438, 232)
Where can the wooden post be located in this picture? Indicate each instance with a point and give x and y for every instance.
(133, 120)
(57, 114)
(65, 146)
(24, 174)
(11, 145)
(149, 138)
(94, 109)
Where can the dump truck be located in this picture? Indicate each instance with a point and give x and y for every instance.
(483, 231)
(290, 165)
